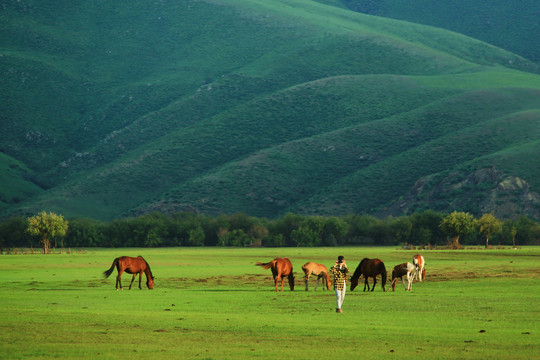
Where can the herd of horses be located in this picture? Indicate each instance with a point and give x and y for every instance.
(282, 268)
(369, 268)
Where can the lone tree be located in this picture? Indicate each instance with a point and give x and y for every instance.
(456, 224)
(488, 225)
(46, 226)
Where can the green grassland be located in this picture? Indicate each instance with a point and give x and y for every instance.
(229, 106)
(215, 304)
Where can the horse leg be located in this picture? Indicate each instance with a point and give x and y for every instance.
(322, 278)
(306, 279)
(367, 283)
(132, 278)
(140, 277)
(279, 277)
(317, 283)
(119, 280)
(374, 282)
(403, 282)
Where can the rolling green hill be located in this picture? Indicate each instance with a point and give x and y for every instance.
(512, 25)
(262, 107)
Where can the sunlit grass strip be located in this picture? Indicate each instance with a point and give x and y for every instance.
(214, 303)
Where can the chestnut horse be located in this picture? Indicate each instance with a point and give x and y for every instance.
(406, 269)
(369, 268)
(316, 269)
(418, 262)
(281, 268)
(131, 265)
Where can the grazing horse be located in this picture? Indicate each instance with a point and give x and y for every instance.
(131, 265)
(316, 269)
(406, 269)
(369, 268)
(418, 262)
(281, 268)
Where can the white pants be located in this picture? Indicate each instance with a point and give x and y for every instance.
(340, 296)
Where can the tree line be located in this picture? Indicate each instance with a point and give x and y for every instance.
(428, 228)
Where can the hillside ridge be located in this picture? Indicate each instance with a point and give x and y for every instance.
(247, 106)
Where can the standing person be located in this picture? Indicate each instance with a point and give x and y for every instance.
(340, 271)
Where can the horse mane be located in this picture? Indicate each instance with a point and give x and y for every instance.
(358, 271)
(147, 266)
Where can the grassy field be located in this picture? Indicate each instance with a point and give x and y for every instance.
(211, 303)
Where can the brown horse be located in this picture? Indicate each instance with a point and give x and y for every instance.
(406, 269)
(133, 266)
(369, 268)
(419, 263)
(281, 267)
(316, 269)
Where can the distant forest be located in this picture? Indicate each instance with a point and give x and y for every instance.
(420, 229)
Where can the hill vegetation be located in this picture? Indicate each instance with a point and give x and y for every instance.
(263, 107)
(512, 25)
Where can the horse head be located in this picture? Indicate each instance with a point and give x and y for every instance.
(291, 281)
(357, 274)
(150, 282)
(394, 280)
(354, 282)
(328, 282)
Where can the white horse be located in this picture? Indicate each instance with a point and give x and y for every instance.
(406, 269)
(418, 261)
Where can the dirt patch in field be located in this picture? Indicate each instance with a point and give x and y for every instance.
(450, 274)
(258, 280)
(247, 279)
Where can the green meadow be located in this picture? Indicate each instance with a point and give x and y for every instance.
(213, 303)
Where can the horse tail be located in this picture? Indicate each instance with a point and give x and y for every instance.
(383, 274)
(267, 265)
(109, 272)
(306, 271)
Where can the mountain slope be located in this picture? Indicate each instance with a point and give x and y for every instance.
(511, 24)
(252, 106)
(367, 165)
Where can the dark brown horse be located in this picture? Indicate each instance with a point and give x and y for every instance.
(281, 268)
(131, 265)
(369, 268)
